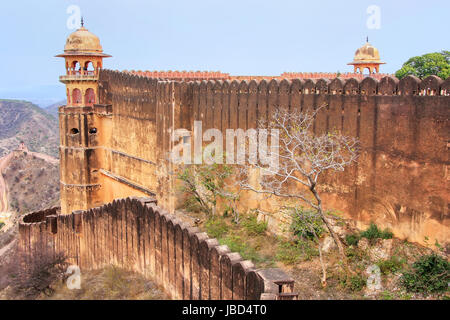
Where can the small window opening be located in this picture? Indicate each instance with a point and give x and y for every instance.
(74, 131)
(93, 130)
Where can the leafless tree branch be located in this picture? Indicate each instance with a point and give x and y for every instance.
(303, 157)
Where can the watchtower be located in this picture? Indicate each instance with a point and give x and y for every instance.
(79, 144)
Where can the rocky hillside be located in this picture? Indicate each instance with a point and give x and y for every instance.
(32, 182)
(24, 121)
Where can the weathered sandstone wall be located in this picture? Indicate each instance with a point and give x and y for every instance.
(400, 180)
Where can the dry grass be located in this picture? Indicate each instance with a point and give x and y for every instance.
(111, 283)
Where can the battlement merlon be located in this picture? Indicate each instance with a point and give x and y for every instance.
(309, 84)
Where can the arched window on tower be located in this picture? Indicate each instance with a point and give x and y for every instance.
(76, 96)
(76, 67)
(89, 97)
(89, 68)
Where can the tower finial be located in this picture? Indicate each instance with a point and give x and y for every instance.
(82, 22)
(367, 39)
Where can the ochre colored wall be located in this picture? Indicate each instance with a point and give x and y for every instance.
(400, 180)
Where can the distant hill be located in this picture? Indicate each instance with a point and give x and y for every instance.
(53, 108)
(32, 181)
(24, 121)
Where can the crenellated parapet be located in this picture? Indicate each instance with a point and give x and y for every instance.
(181, 75)
(386, 85)
(217, 75)
(130, 82)
(124, 85)
(330, 75)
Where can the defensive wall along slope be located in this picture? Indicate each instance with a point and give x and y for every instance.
(137, 235)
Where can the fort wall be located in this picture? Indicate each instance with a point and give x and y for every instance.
(137, 235)
(400, 180)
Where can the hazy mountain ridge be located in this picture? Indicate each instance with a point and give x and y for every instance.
(53, 108)
(24, 121)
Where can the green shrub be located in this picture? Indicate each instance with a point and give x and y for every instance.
(391, 265)
(352, 239)
(374, 233)
(216, 227)
(288, 253)
(386, 295)
(305, 220)
(387, 234)
(236, 244)
(233, 242)
(431, 273)
(1, 225)
(355, 255)
(357, 282)
(253, 227)
(293, 252)
(353, 283)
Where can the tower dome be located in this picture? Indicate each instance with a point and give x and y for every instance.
(367, 57)
(367, 53)
(83, 41)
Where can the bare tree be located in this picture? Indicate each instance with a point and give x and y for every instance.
(303, 158)
(33, 272)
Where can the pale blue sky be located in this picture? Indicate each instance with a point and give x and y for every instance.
(234, 36)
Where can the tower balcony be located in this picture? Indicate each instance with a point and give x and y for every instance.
(79, 76)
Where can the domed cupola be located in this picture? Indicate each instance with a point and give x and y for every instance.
(83, 41)
(367, 57)
(84, 59)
